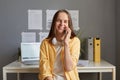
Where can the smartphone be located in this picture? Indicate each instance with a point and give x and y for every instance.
(65, 32)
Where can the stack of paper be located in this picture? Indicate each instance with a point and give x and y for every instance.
(83, 62)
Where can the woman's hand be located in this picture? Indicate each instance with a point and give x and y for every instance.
(67, 35)
(48, 78)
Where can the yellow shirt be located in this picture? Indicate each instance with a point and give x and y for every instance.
(48, 56)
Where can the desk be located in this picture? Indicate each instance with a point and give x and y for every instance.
(92, 67)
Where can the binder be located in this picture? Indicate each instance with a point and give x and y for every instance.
(97, 49)
(90, 48)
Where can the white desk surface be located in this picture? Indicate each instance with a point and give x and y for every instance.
(91, 67)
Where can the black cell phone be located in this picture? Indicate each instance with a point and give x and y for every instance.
(64, 31)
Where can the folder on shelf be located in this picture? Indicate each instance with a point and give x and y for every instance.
(97, 50)
(90, 48)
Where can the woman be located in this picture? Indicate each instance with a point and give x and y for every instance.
(59, 52)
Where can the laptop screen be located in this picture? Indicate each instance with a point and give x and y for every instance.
(30, 52)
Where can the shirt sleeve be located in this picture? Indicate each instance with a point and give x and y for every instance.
(44, 66)
(75, 50)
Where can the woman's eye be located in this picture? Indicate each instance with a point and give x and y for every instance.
(65, 21)
(58, 20)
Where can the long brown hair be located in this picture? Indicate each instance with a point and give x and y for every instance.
(70, 24)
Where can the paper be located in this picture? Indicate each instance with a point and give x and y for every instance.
(28, 37)
(49, 17)
(35, 19)
(74, 17)
(43, 35)
(83, 63)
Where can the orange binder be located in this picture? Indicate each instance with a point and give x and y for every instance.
(97, 50)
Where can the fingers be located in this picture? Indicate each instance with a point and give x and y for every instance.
(68, 30)
(49, 78)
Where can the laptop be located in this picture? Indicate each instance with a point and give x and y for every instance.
(30, 53)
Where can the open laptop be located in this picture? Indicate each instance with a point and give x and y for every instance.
(30, 53)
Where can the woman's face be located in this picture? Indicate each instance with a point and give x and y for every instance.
(61, 23)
